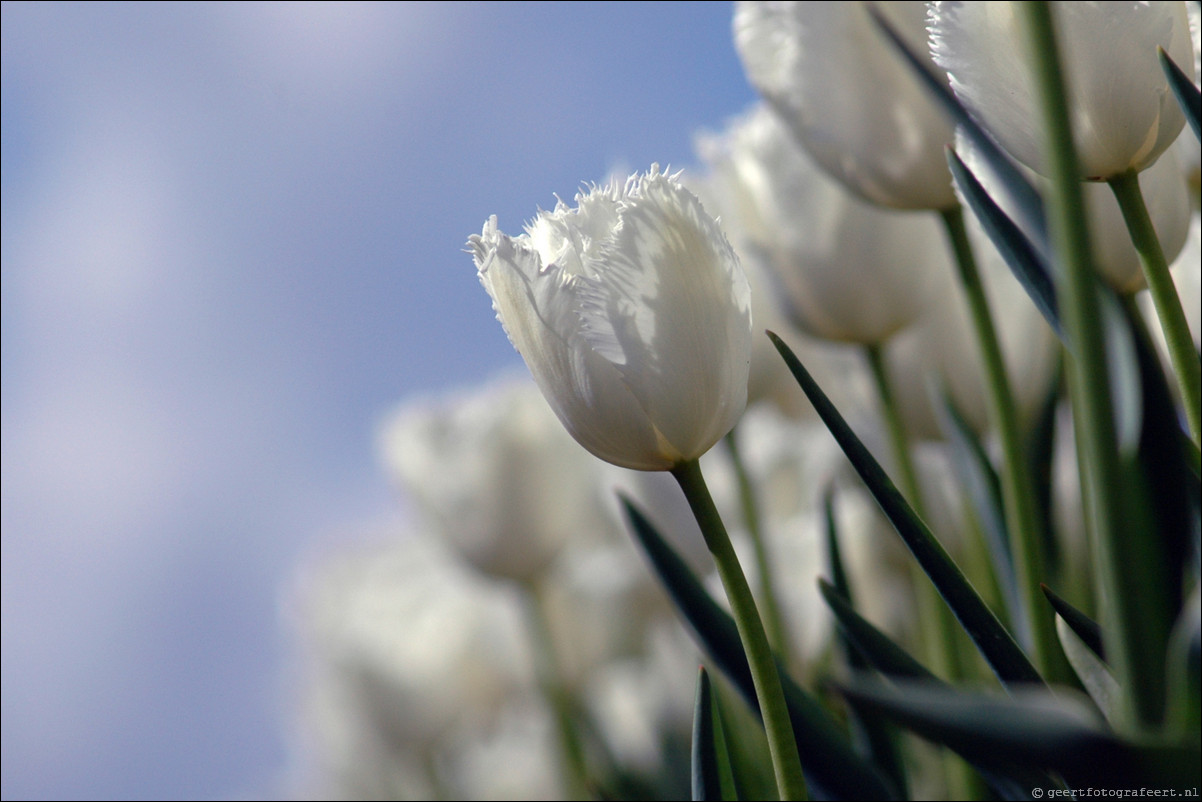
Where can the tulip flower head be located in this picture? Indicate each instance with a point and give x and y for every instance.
(849, 98)
(633, 315)
(1123, 114)
(842, 269)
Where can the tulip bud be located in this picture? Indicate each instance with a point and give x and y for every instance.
(632, 313)
(1123, 113)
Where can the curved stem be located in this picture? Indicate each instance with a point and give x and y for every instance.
(1024, 523)
(786, 763)
(1164, 295)
(773, 622)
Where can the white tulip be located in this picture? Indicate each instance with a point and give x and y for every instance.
(1123, 114)
(843, 269)
(495, 475)
(849, 97)
(403, 646)
(633, 315)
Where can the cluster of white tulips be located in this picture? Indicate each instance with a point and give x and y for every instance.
(886, 415)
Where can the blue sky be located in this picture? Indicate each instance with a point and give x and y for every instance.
(232, 240)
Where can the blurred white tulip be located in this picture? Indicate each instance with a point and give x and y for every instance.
(494, 473)
(842, 269)
(848, 96)
(402, 646)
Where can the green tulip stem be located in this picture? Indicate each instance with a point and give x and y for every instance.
(786, 763)
(549, 674)
(897, 429)
(1164, 296)
(937, 629)
(1023, 521)
(1089, 380)
(773, 621)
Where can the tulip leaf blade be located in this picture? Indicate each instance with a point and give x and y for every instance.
(996, 645)
(1085, 627)
(1032, 728)
(890, 659)
(1183, 88)
(1026, 200)
(711, 775)
(877, 648)
(830, 761)
(1094, 674)
(984, 489)
(1020, 255)
(1156, 509)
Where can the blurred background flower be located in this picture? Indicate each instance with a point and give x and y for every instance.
(232, 242)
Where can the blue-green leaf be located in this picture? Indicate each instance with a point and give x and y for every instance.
(877, 648)
(833, 769)
(984, 488)
(996, 644)
(1026, 203)
(1187, 94)
(1020, 255)
(876, 737)
(1033, 727)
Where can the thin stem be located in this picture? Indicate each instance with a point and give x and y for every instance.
(773, 622)
(897, 430)
(1024, 524)
(786, 763)
(1093, 410)
(937, 626)
(550, 680)
(1164, 295)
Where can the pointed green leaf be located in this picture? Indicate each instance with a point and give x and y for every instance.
(1185, 670)
(984, 488)
(1012, 783)
(1187, 94)
(1041, 450)
(1095, 677)
(1020, 255)
(1157, 514)
(994, 642)
(1085, 627)
(1025, 200)
(875, 646)
(1032, 727)
(709, 747)
(830, 762)
(834, 556)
